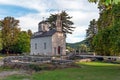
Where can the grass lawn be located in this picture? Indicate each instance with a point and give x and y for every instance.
(88, 71)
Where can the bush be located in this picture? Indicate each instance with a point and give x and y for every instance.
(35, 67)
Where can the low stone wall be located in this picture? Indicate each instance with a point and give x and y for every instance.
(25, 62)
(26, 59)
(33, 62)
(62, 61)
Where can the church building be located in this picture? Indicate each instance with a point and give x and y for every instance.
(49, 42)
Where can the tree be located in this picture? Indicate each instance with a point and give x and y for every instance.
(29, 32)
(106, 41)
(13, 39)
(105, 2)
(91, 32)
(83, 48)
(66, 22)
(10, 31)
(23, 43)
(0, 41)
(101, 42)
(70, 49)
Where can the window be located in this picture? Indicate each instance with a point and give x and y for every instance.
(55, 50)
(35, 45)
(44, 45)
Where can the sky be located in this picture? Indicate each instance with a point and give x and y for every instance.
(31, 12)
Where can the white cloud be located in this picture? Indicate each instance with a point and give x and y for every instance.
(31, 21)
(31, 4)
(83, 18)
(78, 35)
(81, 10)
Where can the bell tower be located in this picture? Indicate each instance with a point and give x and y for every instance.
(59, 23)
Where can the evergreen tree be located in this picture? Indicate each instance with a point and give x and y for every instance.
(91, 32)
(66, 22)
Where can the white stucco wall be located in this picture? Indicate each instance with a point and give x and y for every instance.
(52, 42)
(40, 46)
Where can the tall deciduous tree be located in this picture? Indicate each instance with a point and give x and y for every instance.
(10, 31)
(66, 22)
(107, 40)
(13, 39)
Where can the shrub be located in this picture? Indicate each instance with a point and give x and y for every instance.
(35, 67)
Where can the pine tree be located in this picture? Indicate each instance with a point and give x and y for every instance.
(66, 22)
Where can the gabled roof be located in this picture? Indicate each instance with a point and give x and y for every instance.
(43, 34)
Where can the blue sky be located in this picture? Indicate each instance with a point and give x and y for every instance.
(15, 11)
(31, 12)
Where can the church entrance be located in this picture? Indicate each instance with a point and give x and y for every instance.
(59, 50)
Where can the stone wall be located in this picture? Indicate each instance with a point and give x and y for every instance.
(39, 49)
(34, 62)
(26, 59)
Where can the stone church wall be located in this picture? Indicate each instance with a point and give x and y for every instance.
(41, 46)
(58, 39)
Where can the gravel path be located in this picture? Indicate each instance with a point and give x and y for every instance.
(7, 73)
(4, 74)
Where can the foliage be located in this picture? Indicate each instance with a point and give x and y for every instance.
(101, 42)
(23, 43)
(13, 39)
(83, 48)
(106, 41)
(66, 22)
(10, 31)
(29, 32)
(35, 67)
(69, 49)
(105, 2)
(75, 45)
(0, 40)
(91, 32)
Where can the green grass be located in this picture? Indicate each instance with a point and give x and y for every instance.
(88, 71)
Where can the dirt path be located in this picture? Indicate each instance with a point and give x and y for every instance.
(7, 73)
(4, 74)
